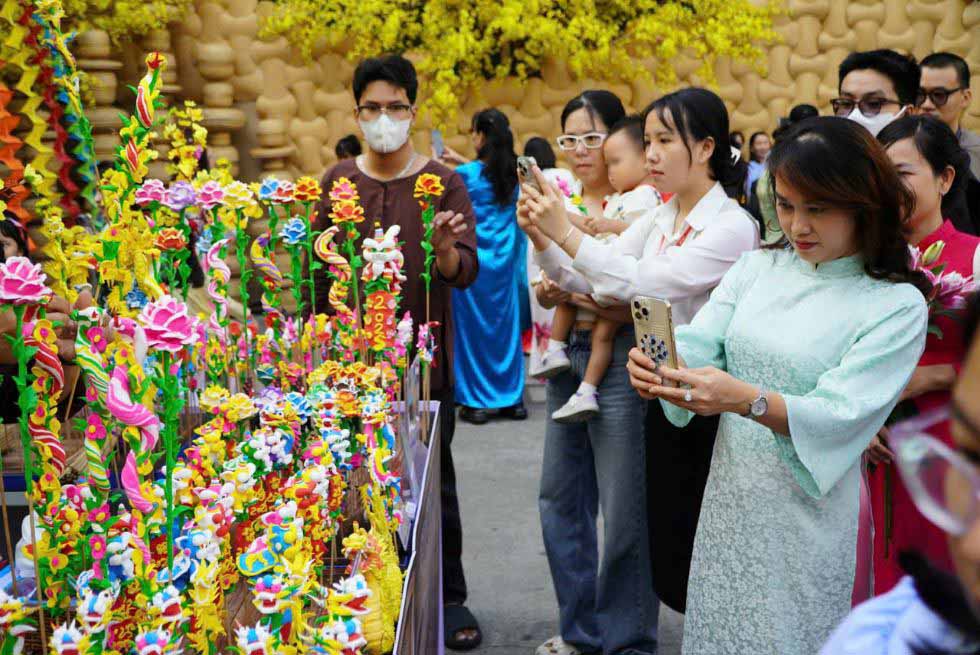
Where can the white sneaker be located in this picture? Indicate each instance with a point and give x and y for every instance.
(552, 363)
(580, 407)
(556, 646)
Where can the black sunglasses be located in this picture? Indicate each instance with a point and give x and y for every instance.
(939, 95)
(868, 106)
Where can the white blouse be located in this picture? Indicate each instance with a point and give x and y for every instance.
(649, 259)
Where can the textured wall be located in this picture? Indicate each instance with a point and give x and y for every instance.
(302, 109)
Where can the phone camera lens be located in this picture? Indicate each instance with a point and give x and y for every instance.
(646, 312)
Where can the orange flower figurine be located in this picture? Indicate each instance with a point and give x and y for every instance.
(347, 211)
(428, 185)
(307, 190)
(343, 190)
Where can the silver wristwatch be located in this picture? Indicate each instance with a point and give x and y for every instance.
(759, 406)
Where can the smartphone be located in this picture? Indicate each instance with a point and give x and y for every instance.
(525, 174)
(654, 329)
(437, 143)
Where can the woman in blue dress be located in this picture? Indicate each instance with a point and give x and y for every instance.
(489, 358)
(803, 351)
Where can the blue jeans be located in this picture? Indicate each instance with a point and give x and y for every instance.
(606, 606)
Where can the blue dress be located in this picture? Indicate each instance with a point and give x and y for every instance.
(774, 555)
(489, 359)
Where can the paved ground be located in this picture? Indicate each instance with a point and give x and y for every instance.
(498, 465)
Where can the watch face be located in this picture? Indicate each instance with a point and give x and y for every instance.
(760, 406)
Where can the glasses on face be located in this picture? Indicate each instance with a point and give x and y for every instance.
(868, 106)
(944, 484)
(939, 96)
(592, 140)
(398, 111)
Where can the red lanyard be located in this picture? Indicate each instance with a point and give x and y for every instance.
(680, 242)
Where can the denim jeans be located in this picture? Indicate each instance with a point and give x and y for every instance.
(606, 606)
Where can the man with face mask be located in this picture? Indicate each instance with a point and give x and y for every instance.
(876, 87)
(385, 90)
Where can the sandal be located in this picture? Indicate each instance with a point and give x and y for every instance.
(456, 619)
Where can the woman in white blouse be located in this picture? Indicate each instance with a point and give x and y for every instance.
(678, 253)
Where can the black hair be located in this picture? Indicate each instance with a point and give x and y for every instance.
(541, 150)
(697, 114)
(862, 180)
(737, 136)
(938, 145)
(752, 139)
(802, 112)
(348, 146)
(949, 60)
(10, 227)
(497, 153)
(598, 103)
(900, 69)
(393, 69)
(632, 127)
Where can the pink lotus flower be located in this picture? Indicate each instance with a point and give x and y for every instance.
(167, 325)
(952, 290)
(151, 191)
(210, 195)
(22, 283)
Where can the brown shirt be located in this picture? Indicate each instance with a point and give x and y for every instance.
(393, 203)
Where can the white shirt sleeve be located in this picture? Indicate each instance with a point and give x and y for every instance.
(557, 265)
(976, 268)
(620, 270)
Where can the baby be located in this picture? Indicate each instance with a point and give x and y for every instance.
(634, 198)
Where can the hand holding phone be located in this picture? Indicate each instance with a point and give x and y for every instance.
(654, 326)
(525, 172)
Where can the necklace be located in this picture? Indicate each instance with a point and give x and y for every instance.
(362, 164)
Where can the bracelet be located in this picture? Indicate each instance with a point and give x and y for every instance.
(561, 244)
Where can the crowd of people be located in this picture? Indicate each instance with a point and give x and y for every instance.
(759, 487)
(818, 279)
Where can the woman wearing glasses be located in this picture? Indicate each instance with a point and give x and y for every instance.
(932, 611)
(604, 606)
(678, 252)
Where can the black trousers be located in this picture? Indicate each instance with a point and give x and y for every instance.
(453, 580)
(678, 461)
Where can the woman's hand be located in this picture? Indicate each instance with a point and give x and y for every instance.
(546, 208)
(537, 237)
(878, 452)
(450, 157)
(643, 374)
(705, 391)
(549, 293)
(616, 313)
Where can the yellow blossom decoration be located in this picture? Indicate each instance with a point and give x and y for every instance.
(458, 46)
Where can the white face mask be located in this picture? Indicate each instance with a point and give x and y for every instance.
(384, 134)
(873, 124)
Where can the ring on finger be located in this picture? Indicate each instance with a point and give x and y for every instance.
(687, 396)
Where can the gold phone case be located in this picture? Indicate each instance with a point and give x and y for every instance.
(654, 329)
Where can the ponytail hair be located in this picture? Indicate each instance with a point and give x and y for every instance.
(698, 114)
(497, 153)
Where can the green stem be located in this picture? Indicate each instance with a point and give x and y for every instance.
(26, 404)
(166, 385)
(241, 244)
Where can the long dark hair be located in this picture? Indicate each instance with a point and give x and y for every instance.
(938, 145)
(598, 103)
(10, 228)
(837, 162)
(497, 153)
(697, 114)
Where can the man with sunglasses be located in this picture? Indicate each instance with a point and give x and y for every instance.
(945, 93)
(931, 611)
(875, 88)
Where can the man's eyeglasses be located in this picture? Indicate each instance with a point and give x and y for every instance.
(592, 140)
(939, 96)
(868, 106)
(944, 484)
(397, 111)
